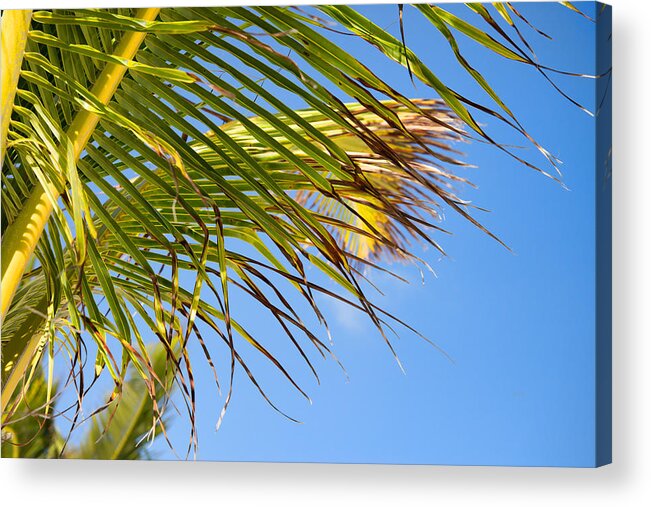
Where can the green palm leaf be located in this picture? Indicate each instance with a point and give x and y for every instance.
(122, 430)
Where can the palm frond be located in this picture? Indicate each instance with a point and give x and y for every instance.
(155, 166)
(125, 427)
(31, 432)
(121, 429)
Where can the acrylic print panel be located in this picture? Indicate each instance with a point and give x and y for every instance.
(345, 234)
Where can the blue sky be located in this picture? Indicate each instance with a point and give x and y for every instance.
(518, 325)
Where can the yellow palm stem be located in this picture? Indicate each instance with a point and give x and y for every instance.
(21, 237)
(15, 25)
(17, 373)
